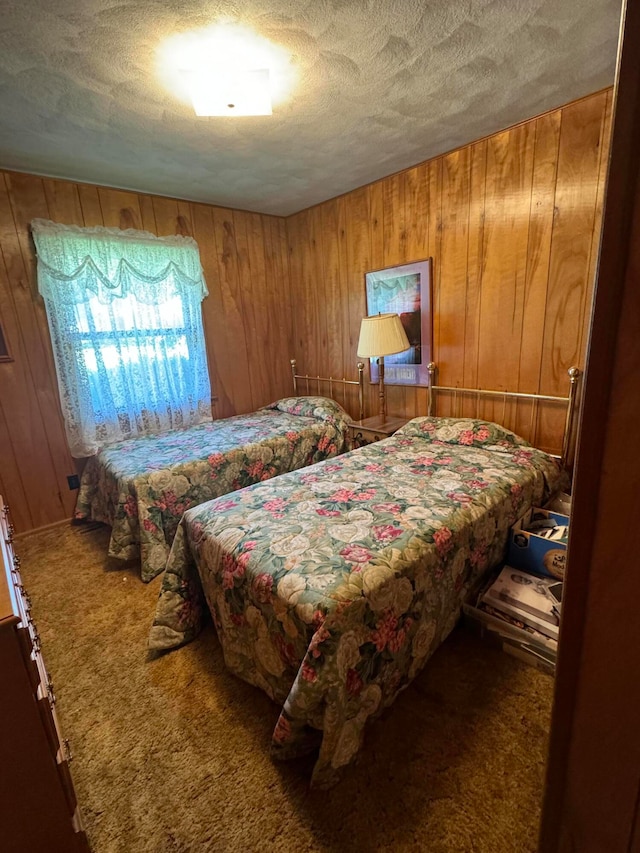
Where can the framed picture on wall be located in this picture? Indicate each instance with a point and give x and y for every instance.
(404, 290)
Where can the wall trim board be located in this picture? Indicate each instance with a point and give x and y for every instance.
(54, 524)
(132, 190)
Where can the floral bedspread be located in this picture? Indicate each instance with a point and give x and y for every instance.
(331, 586)
(142, 486)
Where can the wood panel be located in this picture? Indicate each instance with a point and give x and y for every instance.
(212, 311)
(545, 163)
(511, 222)
(245, 263)
(361, 215)
(28, 392)
(452, 295)
(570, 286)
(509, 169)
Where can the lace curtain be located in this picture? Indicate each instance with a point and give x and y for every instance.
(126, 327)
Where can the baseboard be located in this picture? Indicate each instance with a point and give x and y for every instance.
(44, 527)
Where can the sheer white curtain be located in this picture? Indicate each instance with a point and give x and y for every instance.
(124, 311)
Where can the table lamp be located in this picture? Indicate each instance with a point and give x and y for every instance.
(380, 335)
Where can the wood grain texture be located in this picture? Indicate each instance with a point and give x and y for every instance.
(511, 222)
(570, 289)
(28, 392)
(246, 269)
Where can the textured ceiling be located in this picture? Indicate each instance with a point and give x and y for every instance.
(381, 86)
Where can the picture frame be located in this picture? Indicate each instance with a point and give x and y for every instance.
(406, 290)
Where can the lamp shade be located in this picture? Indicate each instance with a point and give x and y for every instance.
(380, 335)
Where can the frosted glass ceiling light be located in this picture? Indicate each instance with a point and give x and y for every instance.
(225, 92)
(226, 70)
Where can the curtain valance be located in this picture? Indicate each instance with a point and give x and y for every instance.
(76, 264)
(125, 316)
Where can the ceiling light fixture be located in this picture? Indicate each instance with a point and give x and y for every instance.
(226, 70)
(229, 92)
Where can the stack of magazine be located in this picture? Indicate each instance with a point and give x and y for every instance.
(526, 601)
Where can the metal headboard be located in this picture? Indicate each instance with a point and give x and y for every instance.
(331, 381)
(574, 378)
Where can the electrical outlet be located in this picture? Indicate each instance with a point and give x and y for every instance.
(74, 481)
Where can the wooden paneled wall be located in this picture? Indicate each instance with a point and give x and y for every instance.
(512, 223)
(245, 262)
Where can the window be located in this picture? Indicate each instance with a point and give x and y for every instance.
(124, 311)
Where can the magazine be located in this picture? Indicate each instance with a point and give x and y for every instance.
(518, 623)
(527, 598)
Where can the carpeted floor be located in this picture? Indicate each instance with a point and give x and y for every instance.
(172, 754)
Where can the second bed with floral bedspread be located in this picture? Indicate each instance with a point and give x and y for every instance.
(142, 486)
(330, 587)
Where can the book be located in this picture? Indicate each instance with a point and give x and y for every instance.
(507, 619)
(544, 627)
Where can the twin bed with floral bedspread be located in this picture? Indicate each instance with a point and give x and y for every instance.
(142, 486)
(330, 587)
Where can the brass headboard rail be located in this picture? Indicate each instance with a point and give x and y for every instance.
(331, 381)
(570, 401)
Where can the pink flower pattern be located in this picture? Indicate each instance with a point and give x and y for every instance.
(342, 495)
(386, 532)
(477, 484)
(443, 539)
(262, 588)
(461, 498)
(274, 505)
(131, 507)
(117, 484)
(231, 569)
(466, 436)
(308, 672)
(282, 731)
(393, 508)
(389, 632)
(356, 554)
(255, 469)
(379, 636)
(228, 504)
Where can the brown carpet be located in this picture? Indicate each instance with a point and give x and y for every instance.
(173, 754)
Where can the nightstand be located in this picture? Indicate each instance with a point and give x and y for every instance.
(373, 429)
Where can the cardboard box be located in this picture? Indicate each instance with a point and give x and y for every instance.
(532, 552)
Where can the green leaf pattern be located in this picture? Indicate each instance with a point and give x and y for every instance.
(331, 586)
(142, 486)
